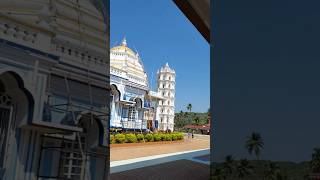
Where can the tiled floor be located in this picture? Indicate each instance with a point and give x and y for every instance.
(175, 170)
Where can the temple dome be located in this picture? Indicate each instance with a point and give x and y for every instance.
(124, 49)
(126, 60)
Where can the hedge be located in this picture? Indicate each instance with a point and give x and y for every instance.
(168, 137)
(131, 138)
(174, 136)
(179, 136)
(112, 139)
(156, 137)
(149, 137)
(120, 138)
(140, 137)
(163, 137)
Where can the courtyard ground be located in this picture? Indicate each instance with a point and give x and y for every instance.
(136, 150)
(187, 160)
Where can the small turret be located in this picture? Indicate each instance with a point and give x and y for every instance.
(124, 42)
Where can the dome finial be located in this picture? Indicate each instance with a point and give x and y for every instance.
(124, 42)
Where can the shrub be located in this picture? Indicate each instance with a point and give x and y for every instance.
(149, 137)
(163, 137)
(179, 136)
(168, 137)
(131, 138)
(112, 139)
(157, 137)
(120, 138)
(174, 136)
(140, 137)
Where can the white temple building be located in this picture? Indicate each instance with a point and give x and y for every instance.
(54, 66)
(134, 106)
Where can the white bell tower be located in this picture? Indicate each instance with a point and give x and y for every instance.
(166, 88)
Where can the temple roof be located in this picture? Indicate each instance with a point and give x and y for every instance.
(128, 61)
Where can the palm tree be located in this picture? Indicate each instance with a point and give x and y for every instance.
(254, 144)
(228, 165)
(189, 107)
(272, 171)
(244, 168)
(315, 161)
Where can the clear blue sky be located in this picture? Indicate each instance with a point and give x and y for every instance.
(161, 33)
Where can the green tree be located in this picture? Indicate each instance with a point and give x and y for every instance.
(272, 171)
(254, 144)
(197, 120)
(228, 166)
(315, 161)
(189, 107)
(244, 168)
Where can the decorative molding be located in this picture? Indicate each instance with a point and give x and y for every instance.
(17, 32)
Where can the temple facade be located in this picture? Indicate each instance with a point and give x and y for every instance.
(54, 81)
(134, 106)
